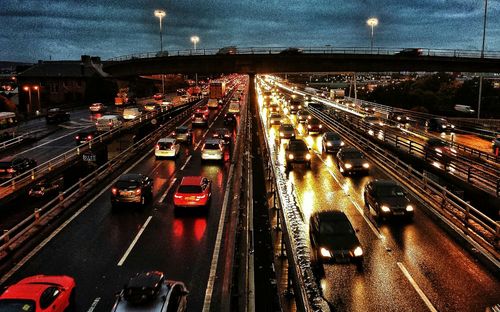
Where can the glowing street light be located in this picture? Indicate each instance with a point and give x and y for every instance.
(161, 14)
(372, 22)
(28, 89)
(195, 40)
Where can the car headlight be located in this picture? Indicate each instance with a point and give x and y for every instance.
(342, 143)
(328, 143)
(437, 149)
(453, 126)
(409, 208)
(366, 165)
(454, 151)
(290, 156)
(348, 166)
(282, 134)
(320, 126)
(325, 252)
(443, 126)
(358, 252)
(385, 208)
(309, 117)
(300, 106)
(308, 156)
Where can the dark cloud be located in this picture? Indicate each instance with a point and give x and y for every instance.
(35, 29)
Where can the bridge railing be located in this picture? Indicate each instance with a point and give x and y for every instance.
(311, 50)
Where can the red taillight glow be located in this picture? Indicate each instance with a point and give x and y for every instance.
(89, 137)
(110, 123)
(138, 191)
(114, 191)
(157, 147)
(177, 196)
(11, 170)
(77, 137)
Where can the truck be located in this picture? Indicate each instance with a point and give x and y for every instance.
(217, 90)
(337, 94)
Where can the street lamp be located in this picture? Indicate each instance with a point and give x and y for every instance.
(28, 89)
(482, 56)
(161, 14)
(37, 89)
(195, 40)
(372, 22)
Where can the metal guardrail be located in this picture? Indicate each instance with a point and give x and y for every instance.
(475, 225)
(39, 171)
(312, 50)
(13, 236)
(306, 299)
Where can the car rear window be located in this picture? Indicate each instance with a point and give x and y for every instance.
(190, 189)
(127, 184)
(181, 130)
(212, 146)
(17, 305)
(198, 115)
(165, 145)
(287, 127)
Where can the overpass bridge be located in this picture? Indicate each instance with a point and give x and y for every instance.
(278, 60)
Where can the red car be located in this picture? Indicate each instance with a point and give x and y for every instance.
(194, 191)
(40, 293)
(203, 109)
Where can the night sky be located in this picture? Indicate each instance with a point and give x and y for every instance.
(43, 29)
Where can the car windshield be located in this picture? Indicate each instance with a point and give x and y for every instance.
(287, 127)
(353, 155)
(190, 189)
(212, 146)
(298, 146)
(332, 137)
(336, 227)
(17, 305)
(127, 185)
(390, 191)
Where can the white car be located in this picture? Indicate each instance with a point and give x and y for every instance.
(167, 147)
(97, 108)
(131, 113)
(213, 149)
(108, 122)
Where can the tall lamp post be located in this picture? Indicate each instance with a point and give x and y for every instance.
(161, 14)
(372, 22)
(195, 40)
(28, 89)
(482, 56)
(37, 89)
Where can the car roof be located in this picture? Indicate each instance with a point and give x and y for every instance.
(191, 180)
(379, 183)
(145, 279)
(166, 140)
(183, 127)
(350, 149)
(331, 215)
(130, 176)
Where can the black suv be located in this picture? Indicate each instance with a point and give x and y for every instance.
(387, 199)
(313, 125)
(333, 239)
(230, 120)
(15, 166)
(350, 160)
(150, 291)
(55, 115)
(132, 188)
(223, 134)
(297, 152)
(85, 136)
(439, 125)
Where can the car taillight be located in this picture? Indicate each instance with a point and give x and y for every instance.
(89, 137)
(177, 196)
(138, 191)
(11, 170)
(114, 191)
(201, 196)
(157, 147)
(77, 137)
(110, 123)
(227, 136)
(172, 147)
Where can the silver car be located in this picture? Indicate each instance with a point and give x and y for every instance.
(213, 149)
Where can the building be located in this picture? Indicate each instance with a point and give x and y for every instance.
(63, 84)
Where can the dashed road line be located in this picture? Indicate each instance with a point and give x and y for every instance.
(129, 249)
(168, 190)
(416, 287)
(187, 161)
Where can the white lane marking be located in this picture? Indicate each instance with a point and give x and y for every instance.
(197, 145)
(62, 226)
(185, 164)
(129, 249)
(94, 304)
(48, 142)
(218, 242)
(206, 131)
(356, 205)
(212, 122)
(168, 190)
(417, 288)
